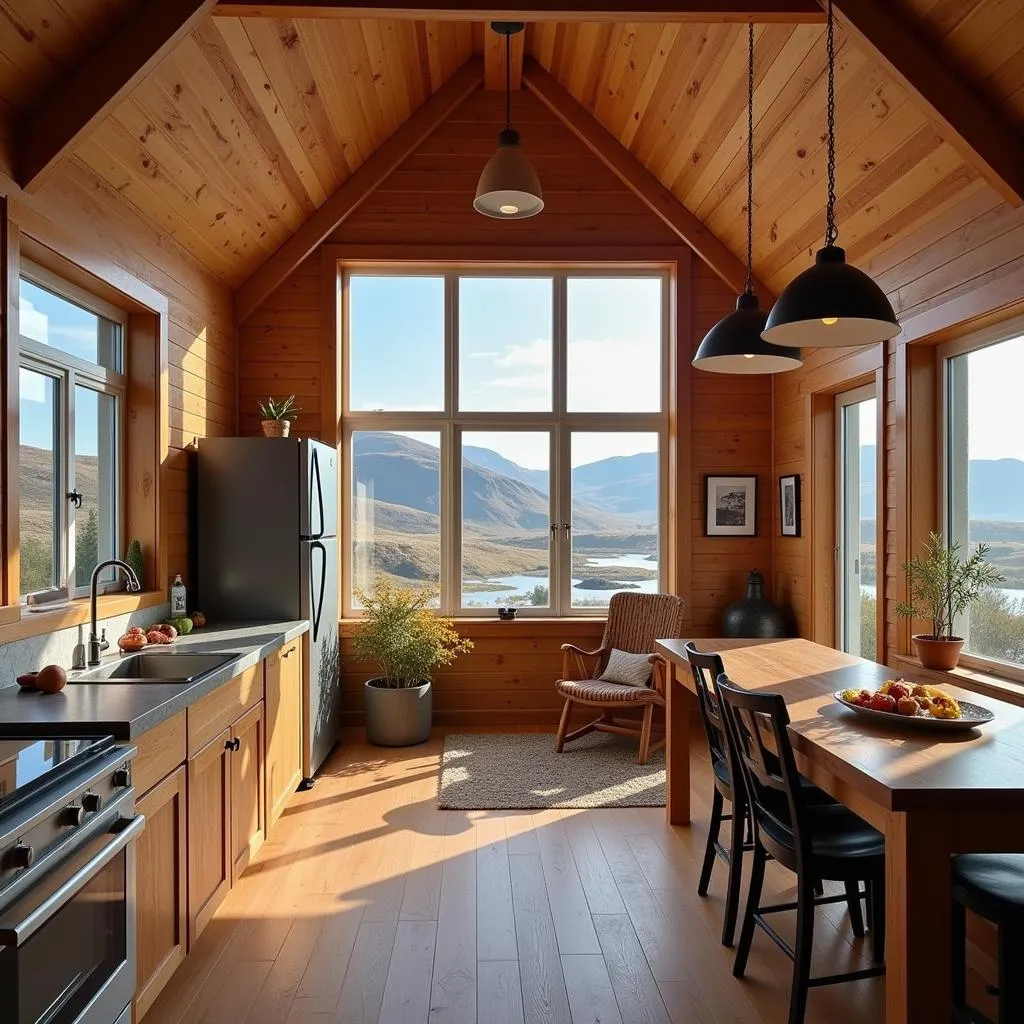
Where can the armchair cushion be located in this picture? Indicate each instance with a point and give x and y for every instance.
(599, 692)
(627, 669)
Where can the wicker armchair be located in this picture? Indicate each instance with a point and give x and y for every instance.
(635, 621)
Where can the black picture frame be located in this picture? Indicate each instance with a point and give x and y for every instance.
(789, 505)
(730, 506)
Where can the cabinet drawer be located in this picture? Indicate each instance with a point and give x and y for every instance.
(216, 711)
(161, 750)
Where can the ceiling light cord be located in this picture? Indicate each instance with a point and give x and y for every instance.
(831, 231)
(508, 82)
(749, 287)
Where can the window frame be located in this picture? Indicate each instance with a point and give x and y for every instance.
(946, 352)
(452, 424)
(72, 372)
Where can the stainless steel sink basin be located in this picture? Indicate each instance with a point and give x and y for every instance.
(152, 667)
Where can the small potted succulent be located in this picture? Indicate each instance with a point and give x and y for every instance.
(407, 642)
(277, 415)
(942, 588)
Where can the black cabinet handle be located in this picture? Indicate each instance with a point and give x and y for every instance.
(291, 650)
(232, 744)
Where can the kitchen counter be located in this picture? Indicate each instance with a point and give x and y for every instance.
(127, 710)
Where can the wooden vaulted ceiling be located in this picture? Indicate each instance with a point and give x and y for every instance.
(248, 126)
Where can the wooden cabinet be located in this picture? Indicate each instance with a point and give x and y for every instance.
(283, 706)
(209, 830)
(160, 887)
(248, 819)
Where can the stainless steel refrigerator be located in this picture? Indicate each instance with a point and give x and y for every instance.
(267, 521)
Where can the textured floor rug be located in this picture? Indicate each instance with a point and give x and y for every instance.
(481, 771)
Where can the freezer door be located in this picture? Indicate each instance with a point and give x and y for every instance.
(319, 499)
(321, 686)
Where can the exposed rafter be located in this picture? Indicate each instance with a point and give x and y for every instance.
(106, 77)
(969, 123)
(763, 11)
(494, 59)
(647, 187)
(356, 188)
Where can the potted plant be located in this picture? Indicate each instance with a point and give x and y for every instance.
(277, 415)
(406, 641)
(941, 588)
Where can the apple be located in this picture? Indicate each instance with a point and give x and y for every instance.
(898, 691)
(882, 702)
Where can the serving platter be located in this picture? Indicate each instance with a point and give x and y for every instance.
(971, 716)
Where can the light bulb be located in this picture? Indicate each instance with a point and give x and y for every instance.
(748, 355)
(508, 210)
(828, 321)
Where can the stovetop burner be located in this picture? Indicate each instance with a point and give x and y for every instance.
(30, 765)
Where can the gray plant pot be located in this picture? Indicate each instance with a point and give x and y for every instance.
(398, 717)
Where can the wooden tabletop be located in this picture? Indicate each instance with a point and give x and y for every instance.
(899, 767)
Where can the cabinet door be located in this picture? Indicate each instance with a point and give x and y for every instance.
(248, 822)
(160, 888)
(209, 835)
(284, 728)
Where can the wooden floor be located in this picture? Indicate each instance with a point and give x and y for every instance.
(369, 904)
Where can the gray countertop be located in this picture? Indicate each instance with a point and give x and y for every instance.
(127, 710)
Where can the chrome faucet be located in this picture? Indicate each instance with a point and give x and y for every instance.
(97, 646)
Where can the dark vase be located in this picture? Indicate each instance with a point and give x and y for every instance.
(754, 615)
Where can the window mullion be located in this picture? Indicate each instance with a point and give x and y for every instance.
(66, 434)
(451, 449)
(561, 486)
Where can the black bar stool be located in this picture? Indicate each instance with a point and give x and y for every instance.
(992, 886)
(816, 841)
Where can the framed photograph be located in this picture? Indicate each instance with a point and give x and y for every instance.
(730, 506)
(789, 505)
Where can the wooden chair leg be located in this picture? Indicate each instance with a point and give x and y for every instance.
(739, 966)
(802, 949)
(958, 953)
(645, 735)
(714, 828)
(853, 905)
(563, 724)
(876, 897)
(1011, 990)
(732, 891)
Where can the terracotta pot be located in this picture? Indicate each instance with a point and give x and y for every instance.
(941, 655)
(276, 428)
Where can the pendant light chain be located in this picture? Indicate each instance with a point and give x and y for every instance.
(508, 81)
(831, 231)
(749, 287)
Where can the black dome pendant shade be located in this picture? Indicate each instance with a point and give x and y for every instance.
(831, 305)
(734, 344)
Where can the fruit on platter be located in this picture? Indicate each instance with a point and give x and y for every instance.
(882, 702)
(907, 706)
(198, 620)
(132, 641)
(51, 679)
(897, 696)
(158, 636)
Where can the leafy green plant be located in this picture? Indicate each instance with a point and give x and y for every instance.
(133, 556)
(942, 586)
(403, 637)
(278, 408)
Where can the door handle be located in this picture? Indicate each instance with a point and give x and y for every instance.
(232, 744)
(314, 473)
(318, 603)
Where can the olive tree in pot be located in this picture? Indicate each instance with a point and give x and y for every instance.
(407, 641)
(942, 588)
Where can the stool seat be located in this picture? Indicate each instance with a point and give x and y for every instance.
(991, 884)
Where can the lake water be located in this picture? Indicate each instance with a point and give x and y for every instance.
(1013, 595)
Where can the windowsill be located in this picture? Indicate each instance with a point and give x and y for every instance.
(491, 626)
(984, 682)
(76, 613)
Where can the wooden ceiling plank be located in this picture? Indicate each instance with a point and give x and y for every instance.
(353, 191)
(651, 76)
(969, 123)
(535, 10)
(494, 59)
(634, 175)
(98, 85)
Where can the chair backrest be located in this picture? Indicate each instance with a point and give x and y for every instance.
(635, 621)
(769, 772)
(706, 669)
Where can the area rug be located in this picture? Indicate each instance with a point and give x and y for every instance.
(484, 771)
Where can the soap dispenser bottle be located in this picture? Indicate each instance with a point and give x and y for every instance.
(178, 597)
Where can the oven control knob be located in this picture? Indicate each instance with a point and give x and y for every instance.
(72, 815)
(19, 856)
(92, 802)
(122, 777)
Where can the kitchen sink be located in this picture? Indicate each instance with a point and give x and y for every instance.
(151, 667)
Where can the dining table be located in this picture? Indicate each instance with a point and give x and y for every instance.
(932, 793)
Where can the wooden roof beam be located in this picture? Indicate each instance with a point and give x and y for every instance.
(699, 11)
(494, 59)
(360, 184)
(95, 88)
(966, 120)
(641, 181)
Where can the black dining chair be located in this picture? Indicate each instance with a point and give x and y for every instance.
(823, 841)
(992, 886)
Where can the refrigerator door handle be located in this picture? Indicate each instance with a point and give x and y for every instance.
(317, 599)
(316, 482)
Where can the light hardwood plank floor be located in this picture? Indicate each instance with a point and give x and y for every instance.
(368, 904)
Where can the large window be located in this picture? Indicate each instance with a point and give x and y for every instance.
(504, 434)
(72, 390)
(985, 483)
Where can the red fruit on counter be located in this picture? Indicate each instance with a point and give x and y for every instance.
(51, 679)
(155, 636)
(198, 620)
(28, 680)
(167, 629)
(132, 642)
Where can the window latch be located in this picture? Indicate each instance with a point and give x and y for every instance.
(566, 528)
(75, 497)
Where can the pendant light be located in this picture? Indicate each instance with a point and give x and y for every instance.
(508, 188)
(734, 344)
(831, 305)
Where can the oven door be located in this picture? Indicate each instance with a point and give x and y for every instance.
(67, 947)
